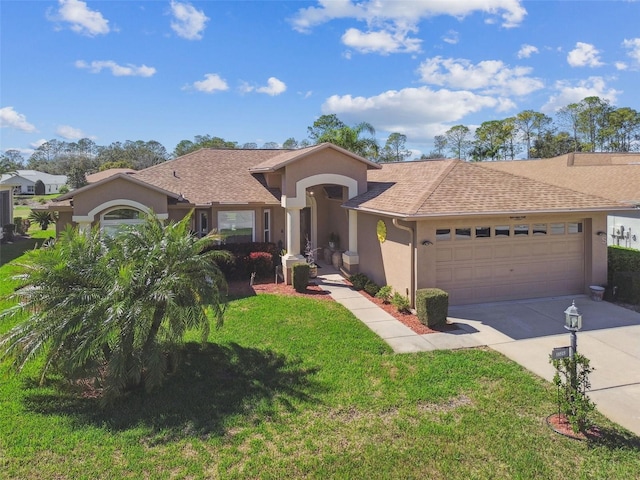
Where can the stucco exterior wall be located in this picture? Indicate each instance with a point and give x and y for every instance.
(386, 263)
(321, 163)
(116, 189)
(623, 229)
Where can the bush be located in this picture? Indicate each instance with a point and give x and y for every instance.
(300, 277)
(358, 280)
(42, 218)
(17, 221)
(385, 293)
(624, 273)
(432, 306)
(261, 263)
(7, 231)
(63, 189)
(401, 302)
(371, 288)
(572, 380)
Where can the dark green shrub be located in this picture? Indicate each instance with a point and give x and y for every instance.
(622, 259)
(401, 302)
(17, 221)
(7, 231)
(358, 280)
(385, 294)
(627, 287)
(432, 306)
(300, 274)
(371, 288)
(63, 189)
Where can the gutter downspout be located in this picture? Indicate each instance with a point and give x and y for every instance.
(412, 291)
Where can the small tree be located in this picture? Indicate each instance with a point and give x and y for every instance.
(572, 380)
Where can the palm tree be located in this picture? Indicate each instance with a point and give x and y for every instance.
(349, 139)
(115, 308)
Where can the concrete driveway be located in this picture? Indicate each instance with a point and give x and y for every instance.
(527, 332)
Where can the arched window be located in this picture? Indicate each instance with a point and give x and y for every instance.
(119, 217)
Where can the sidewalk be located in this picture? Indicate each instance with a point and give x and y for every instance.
(400, 337)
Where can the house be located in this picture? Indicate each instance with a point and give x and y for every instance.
(25, 181)
(479, 233)
(611, 175)
(96, 177)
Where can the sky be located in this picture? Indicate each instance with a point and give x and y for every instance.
(264, 71)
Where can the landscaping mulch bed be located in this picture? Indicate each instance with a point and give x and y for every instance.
(559, 423)
(243, 289)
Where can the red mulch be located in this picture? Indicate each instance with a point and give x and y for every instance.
(243, 289)
(560, 424)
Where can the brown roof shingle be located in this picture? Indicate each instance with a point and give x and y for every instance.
(454, 187)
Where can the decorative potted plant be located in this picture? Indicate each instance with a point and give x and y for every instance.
(309, 254)
(334, 241)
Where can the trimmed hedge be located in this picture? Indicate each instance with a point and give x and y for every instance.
(358, 280)
(258, 257)
(624, 273)
(300, 274)
(432, 306)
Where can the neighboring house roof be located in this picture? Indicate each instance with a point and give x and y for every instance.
(610, 175)
(96, 177)
(454, 187)
(34, 176)
(285, 157)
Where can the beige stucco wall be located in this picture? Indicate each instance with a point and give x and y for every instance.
(386, 263)
(116, 189)
(326, 161)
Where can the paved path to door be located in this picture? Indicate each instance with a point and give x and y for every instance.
(527, 332)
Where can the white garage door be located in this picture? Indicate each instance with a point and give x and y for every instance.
(507, 262)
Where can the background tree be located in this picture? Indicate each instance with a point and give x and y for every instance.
(290, 144)
(77, 178)
(394, 149)
(115, 164)
(349, 138)
(593, 114)
(249, 146)
(115, 309)
(622, 133)
(440, 145)
(10, 161)
(271, 146)
(551, 144)
(324, 124)
(569, 119)
(202, 141)
(491, 140)
(531, 125)
(458, 140)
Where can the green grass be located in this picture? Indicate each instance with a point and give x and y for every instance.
(11, 251)
(298, 388)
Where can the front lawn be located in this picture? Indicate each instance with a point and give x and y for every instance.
(298, 388)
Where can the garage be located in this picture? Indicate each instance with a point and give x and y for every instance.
(497, 262)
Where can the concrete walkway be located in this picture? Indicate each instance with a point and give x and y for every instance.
(526, 332)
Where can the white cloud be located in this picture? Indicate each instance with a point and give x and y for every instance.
(574, 93)
(82, 19)
(70, 133)
(274, 87)
(584, 55)
(621, 66)
(188, 22)
(452, 37)
(383, 42)
(527, 50)
(128, 70)
(12, 119)
(488, 76)
(38, 143)
(633, 45)
(416, 112)
(212, 82)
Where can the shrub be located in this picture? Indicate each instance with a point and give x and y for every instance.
(42, 218)
(432, 306)
(572, 380)
(401, 302)
(358, 280)
(241, 266)
(385, 293)
(7, 231)
(371, 288)
(261, 263)
(17, 221)
(63, 189)
(300, 277)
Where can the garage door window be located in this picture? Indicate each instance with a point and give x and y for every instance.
(502, 230)
(463, 233)
(483, 232)
(575, 227)
(443, 234)
(521, 230)
(539, 228)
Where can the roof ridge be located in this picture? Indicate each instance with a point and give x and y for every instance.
(430, 191)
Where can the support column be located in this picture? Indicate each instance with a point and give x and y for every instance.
(84, 227)
(293, 255)
(350, 258)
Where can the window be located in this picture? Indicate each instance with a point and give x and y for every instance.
(31, 188)
(521, 230)
(501, 230)
(539, 228)
(574, 227)
(443, 234)
(204, 223)
(557, 229)
(113, 220)
(236, 227)
(267, 225)
(463, 233)
(483, 232)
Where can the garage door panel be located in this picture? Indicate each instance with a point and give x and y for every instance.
(497, 269)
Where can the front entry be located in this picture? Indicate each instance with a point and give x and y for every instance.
(305, 228)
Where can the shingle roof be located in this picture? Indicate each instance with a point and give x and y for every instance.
(454, 187)
(96, 177)
(610, 175)
(214, 175)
